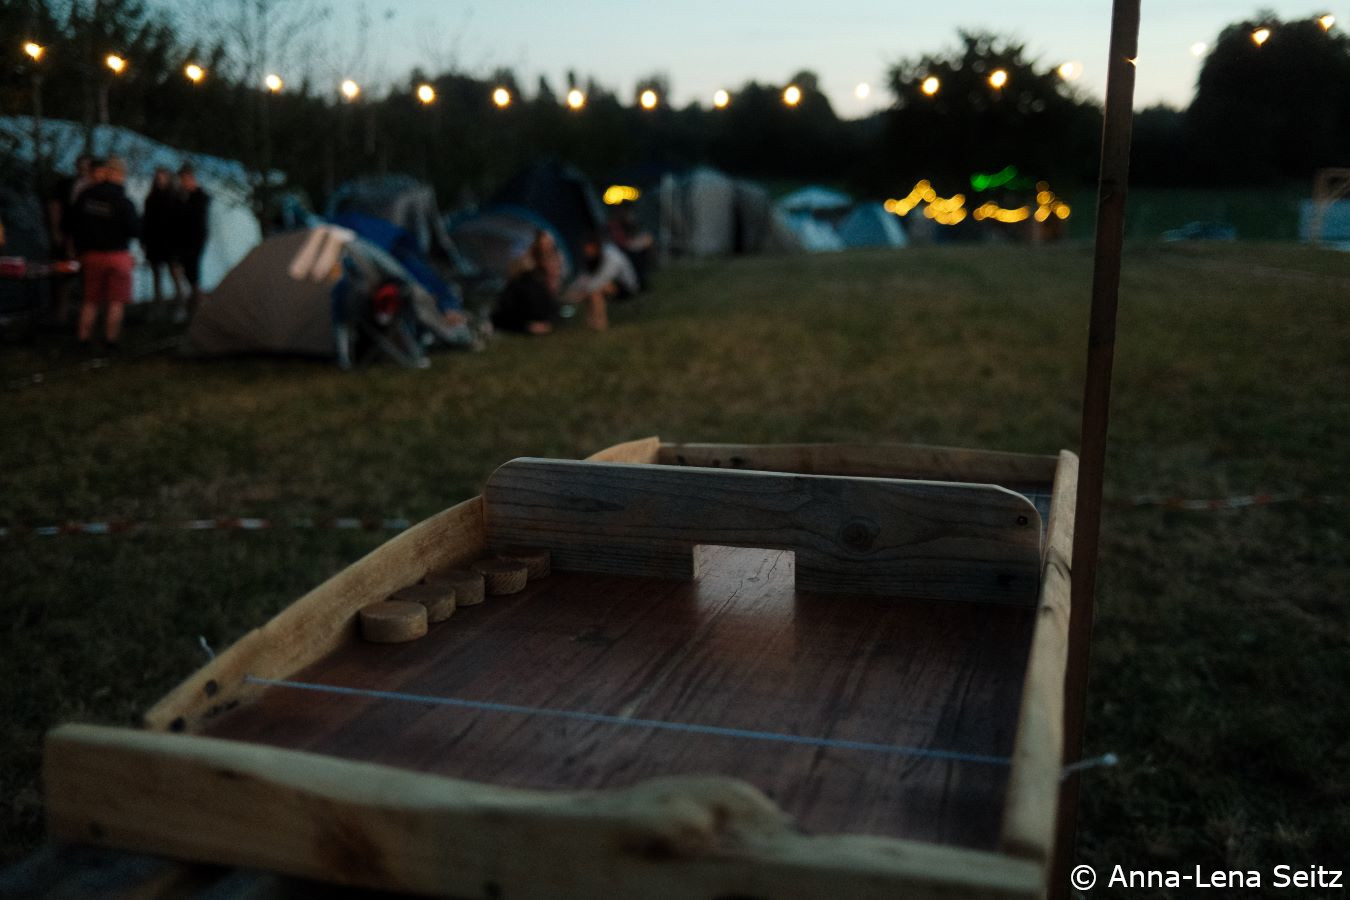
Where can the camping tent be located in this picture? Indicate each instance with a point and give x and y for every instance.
(707, 213)
(560, 195)
(402, 246)
(869, 225)
(233, 227)
(408, 203)
(495, 239)
(821, 202)
(281, 299)
(812, 214)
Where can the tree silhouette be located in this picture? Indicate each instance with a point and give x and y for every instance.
(1277, 109)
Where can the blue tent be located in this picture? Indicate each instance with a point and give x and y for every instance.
(402, 246)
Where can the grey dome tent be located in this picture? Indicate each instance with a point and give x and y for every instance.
(869, 225)
(279, 300)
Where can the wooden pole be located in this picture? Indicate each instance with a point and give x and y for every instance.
(1111, 190)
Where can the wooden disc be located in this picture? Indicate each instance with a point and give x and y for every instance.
(393, 621)
(502, 576)
(439, 599)
(468, 586)
(537, 561)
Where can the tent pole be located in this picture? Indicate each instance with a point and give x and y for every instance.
(1111, 190)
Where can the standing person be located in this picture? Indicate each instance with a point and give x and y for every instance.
(58, 217)
(103, 223)
(159, 224)
(193, 212)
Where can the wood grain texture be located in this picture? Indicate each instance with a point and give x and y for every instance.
(905, 539)
(322, 619)
(643, 450)
(1034, 784)
(736, 649)
(873, 460)
(356, 823)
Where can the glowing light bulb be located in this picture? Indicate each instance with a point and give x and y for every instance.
(35, 50)
(648, 99)
(426, 94)
(116, 63)
(792, 95)
(273, 82)
(1199, 48)
(194, 72)
(930, 85)
(1260, 36)
(350, 89)
(721, 99)
(1070, 71)
(501, 97)
(576, 99)
(998, 79)
(1326, 21)
(862, 91)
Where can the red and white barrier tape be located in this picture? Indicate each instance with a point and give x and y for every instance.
(232, 523)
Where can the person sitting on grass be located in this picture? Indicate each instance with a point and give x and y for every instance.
(104, 224)
(605, 273)
(529, 302)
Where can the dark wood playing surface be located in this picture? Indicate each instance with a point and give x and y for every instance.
(739, 648)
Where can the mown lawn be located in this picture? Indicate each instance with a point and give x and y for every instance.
(1221, 667)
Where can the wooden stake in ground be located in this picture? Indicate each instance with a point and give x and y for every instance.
(1111, 189)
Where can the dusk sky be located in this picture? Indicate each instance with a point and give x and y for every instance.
(703, 45)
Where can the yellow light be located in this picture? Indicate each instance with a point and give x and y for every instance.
(576, 99)
(1260, 36)
(194, 72)
(721, 99)
(620, 193)
(426, 93)
(35, 50)
(350, 89)
(862, 91)
(1199, 48)
(273, 82)
(792, 95)
(1042, 213)
(1070, 71)
(930, 85)
(1062, 210)
(501, 97)
(1326, 21)
(890, 205)
(115, 62)
(648, 99)
(1044, 197)
(998, 78)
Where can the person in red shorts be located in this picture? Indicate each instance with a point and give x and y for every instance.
(104, 224)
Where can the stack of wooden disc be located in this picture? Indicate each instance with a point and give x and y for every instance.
(439, 599)
(393, 621)
(502, 576)
(538, 563)
(468, 586)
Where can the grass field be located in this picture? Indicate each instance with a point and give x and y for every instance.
(1221, 666)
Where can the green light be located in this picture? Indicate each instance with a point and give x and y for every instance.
(981, 182)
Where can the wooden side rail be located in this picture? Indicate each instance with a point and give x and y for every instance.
(312, 816)
(1038, 751)
(911, 539)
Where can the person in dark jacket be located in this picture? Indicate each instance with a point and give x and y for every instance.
(529, 302)
(159, 226)
(103, 225)
(194, 208)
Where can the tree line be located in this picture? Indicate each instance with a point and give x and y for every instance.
(1261, 113)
